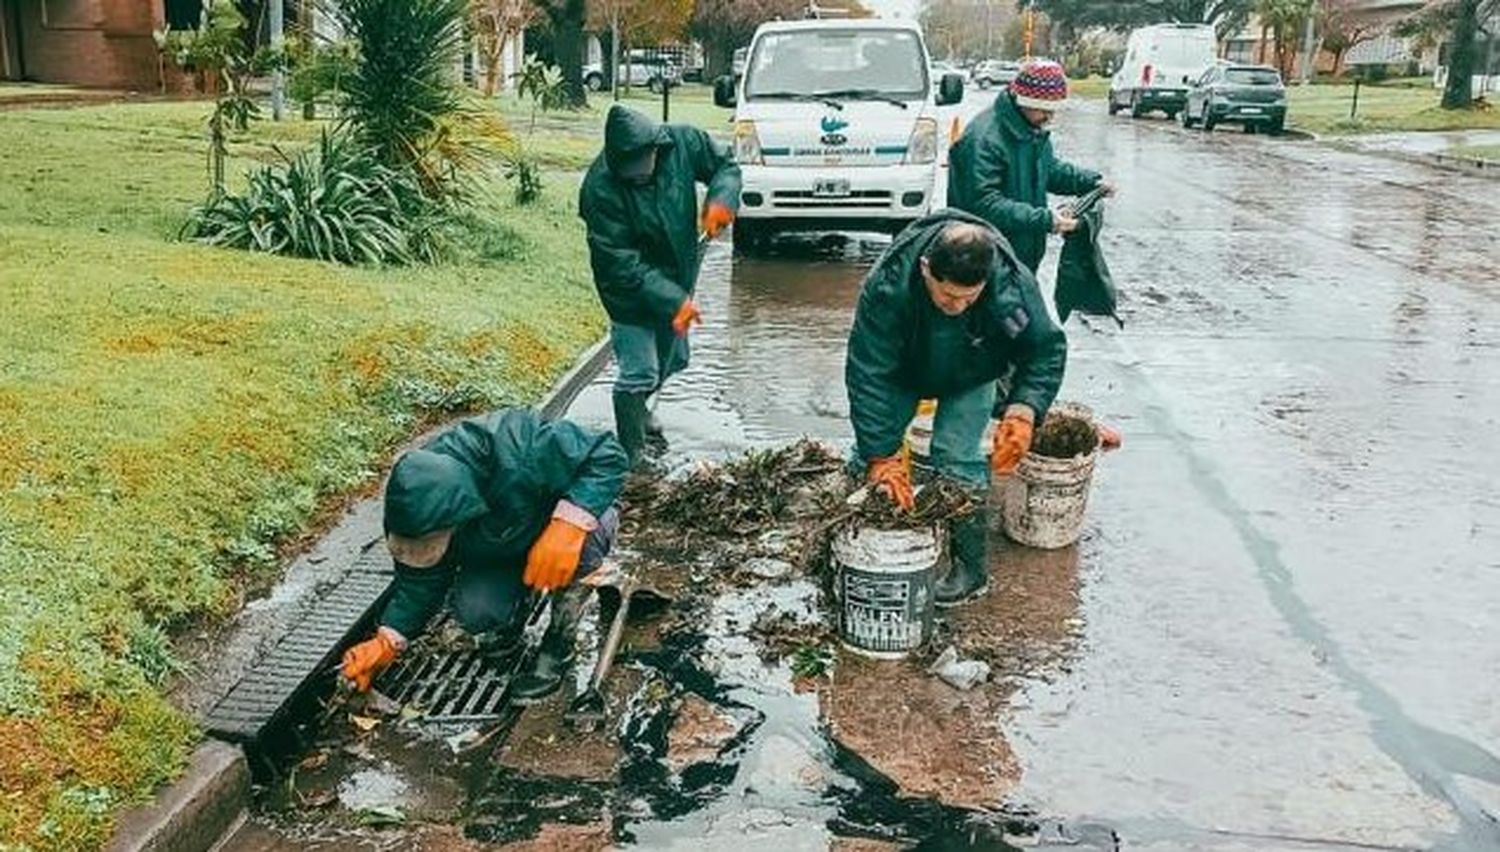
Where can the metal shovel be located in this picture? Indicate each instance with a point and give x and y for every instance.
(587, 712)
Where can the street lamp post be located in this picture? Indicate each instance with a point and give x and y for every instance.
(278, 45)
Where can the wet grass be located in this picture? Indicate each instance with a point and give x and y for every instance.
(1324, 109)
(1092, 88)
(172, 415)
(570, 139)
(1478, 152)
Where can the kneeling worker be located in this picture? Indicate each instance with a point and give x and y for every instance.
(945, 312)
(493, 510)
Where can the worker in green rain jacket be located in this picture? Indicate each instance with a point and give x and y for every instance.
(946, 311)
(639, 201)
(1002, 167)
(486, 515)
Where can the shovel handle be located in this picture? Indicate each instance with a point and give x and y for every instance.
(612, 639)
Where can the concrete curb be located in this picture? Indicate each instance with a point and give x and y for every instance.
(195, 812)
(209, 801)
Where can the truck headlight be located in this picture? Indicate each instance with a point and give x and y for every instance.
(923, 148)
(747, 144)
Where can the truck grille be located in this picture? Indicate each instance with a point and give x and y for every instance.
(874, 199)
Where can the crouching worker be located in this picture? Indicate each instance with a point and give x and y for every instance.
(486, 515)
(945, 312)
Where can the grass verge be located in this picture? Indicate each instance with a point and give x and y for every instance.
(1324, 109)
(170, 413)
(570, 139)
(1478, 152)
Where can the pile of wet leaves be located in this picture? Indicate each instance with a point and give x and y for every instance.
(738, 498)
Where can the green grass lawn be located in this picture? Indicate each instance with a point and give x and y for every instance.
(1089, 87)
(170, 414)
(1324, 109)
(1479, 152)
(570, 139)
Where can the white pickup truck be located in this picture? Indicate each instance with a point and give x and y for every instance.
(836, 126)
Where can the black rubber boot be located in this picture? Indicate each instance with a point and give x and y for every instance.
(631, 418)
(656, 437)
(968, 570)
(556, 652)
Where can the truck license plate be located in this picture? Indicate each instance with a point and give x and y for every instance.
(831, 188)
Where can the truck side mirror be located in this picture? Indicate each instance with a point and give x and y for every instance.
(724, 94)
(950, 90)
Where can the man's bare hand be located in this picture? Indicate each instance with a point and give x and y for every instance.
(1063, 221)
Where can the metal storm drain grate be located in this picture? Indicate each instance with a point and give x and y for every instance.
(449, 686)
(252, 709)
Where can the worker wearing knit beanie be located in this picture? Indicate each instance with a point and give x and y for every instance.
(1003, 167)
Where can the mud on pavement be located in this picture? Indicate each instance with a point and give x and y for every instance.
(732, 716)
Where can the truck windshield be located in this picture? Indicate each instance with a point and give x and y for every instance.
(880, 63)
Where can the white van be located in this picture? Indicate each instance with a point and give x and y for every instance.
(1161, 61)
(836, 126)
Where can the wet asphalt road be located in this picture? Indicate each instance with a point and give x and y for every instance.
(1290, 585)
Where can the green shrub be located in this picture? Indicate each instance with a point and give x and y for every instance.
(337, 202)
(402, 92)
(527, 174)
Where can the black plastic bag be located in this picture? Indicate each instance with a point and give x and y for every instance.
(1083, 280)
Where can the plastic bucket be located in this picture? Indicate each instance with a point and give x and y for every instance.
(919, 434)
(883, 580)
(1043, 502)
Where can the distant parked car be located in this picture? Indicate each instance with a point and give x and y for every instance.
(941, 69)
(995, 72)
(1160, 62)
(1252, 96)
(654, 73)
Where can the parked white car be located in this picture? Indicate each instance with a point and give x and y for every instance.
(836, 127)
(652, 72)
(1161, 63)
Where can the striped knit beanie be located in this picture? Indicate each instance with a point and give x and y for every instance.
(1042, 84)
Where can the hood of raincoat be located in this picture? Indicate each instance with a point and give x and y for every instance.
(626, 132)
(430, 491)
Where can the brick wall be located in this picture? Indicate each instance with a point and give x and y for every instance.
(105, 43)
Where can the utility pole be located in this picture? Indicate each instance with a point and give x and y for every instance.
(1030, 29)
(989, 31)
(614, 49)
(1310, 44)
(305, 36)
(278, 47)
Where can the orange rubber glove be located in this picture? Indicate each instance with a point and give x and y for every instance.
(365, 661)
(687, 316)
(891, 477)
(1109, 438)
(1012, 441)
(554, 556)
(716, 217)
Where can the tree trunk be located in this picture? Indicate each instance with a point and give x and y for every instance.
(718, 59)
(1338, 62)
(570, 47)
(1462, 47)
(1264, 35)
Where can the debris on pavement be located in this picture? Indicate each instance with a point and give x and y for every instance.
(958, 673)
(699, 733)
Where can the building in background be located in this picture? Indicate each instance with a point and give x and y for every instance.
(100, 43)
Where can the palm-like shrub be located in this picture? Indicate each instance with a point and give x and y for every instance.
(337, 202)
